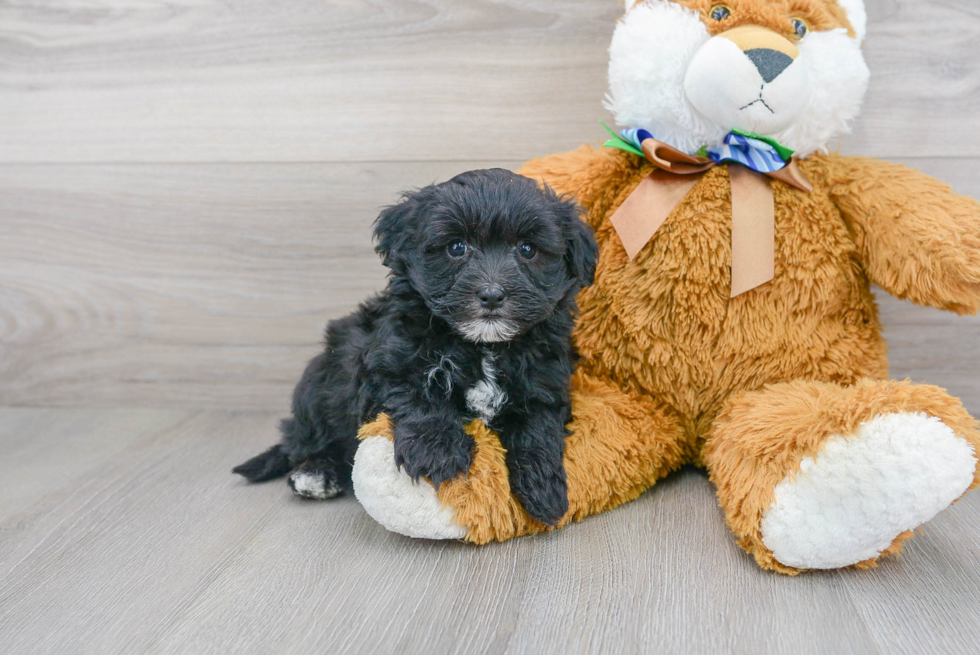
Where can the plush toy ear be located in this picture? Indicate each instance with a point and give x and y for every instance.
(394, 228)
(581, 249)
(857, 15)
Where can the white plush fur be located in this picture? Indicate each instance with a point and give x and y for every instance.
(654, 46)
(391, 498)
(724, 86)
(847, 504)
(857, 16)
(648, 59)
(839, 78)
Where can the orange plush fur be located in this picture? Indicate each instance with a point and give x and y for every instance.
(819, 14)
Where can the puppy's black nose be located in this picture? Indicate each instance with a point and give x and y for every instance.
(769, 63)
(491, 297)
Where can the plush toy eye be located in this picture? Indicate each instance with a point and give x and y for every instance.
(721, 12)
(528, 250)
(457, 248)
(800, 28)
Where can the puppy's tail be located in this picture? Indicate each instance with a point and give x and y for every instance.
(271, 464)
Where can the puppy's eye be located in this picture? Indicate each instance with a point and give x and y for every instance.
(527, 249)
(720, 12)
(457, 248)
(800, 28)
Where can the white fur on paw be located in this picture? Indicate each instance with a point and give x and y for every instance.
(849, 503)
(393, 500)
(312, 484)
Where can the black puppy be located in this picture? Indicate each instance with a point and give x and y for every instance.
(476, 322)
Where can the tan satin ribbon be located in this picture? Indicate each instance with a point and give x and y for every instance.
(753, 209)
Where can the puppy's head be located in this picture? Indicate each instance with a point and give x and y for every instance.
(489, 252)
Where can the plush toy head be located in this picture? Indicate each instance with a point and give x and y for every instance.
(691, 71)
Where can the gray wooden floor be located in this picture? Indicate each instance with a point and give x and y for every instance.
(186, 193)
(123, 532)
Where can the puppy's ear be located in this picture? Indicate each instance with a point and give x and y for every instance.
(394, 228)
(581, 249)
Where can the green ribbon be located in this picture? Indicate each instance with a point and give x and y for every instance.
(619, 142)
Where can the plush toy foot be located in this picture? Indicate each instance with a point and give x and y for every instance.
(814, 475)
(850, 502)
(392, 499)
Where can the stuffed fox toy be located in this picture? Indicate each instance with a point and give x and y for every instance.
(731, 324)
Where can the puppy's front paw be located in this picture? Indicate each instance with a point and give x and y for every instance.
(541, 489)
(431, 449)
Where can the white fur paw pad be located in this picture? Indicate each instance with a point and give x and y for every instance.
(390, 497)
(858, 494)
(312, 484)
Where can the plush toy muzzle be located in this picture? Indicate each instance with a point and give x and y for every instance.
(749, 78)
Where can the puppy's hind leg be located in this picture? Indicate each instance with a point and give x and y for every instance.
(315, 479)
(326, 472)
(325, 475)
(319, 439)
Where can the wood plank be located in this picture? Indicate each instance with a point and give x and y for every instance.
(56, 453)
(918, 604)
(209, 285)
(131, 540)
(664, 570)
(154, 547)
(191, 81)
(182, 286)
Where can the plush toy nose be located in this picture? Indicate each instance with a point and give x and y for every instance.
(769, 63)
(491, 296)
(769, 52)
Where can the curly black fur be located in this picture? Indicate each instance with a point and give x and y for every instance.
(501, 312)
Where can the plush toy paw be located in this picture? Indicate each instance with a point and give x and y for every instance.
(432, 449)
(390, 496)
(850, 502)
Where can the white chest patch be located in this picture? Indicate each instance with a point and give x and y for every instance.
(485, 398)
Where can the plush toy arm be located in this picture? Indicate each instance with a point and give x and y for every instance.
(583, 174)
(917, 239)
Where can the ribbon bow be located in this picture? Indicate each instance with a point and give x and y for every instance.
(751, 161)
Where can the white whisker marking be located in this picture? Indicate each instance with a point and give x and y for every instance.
(485, 330)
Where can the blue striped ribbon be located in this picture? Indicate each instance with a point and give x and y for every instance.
(636, 137)
(752, 153)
